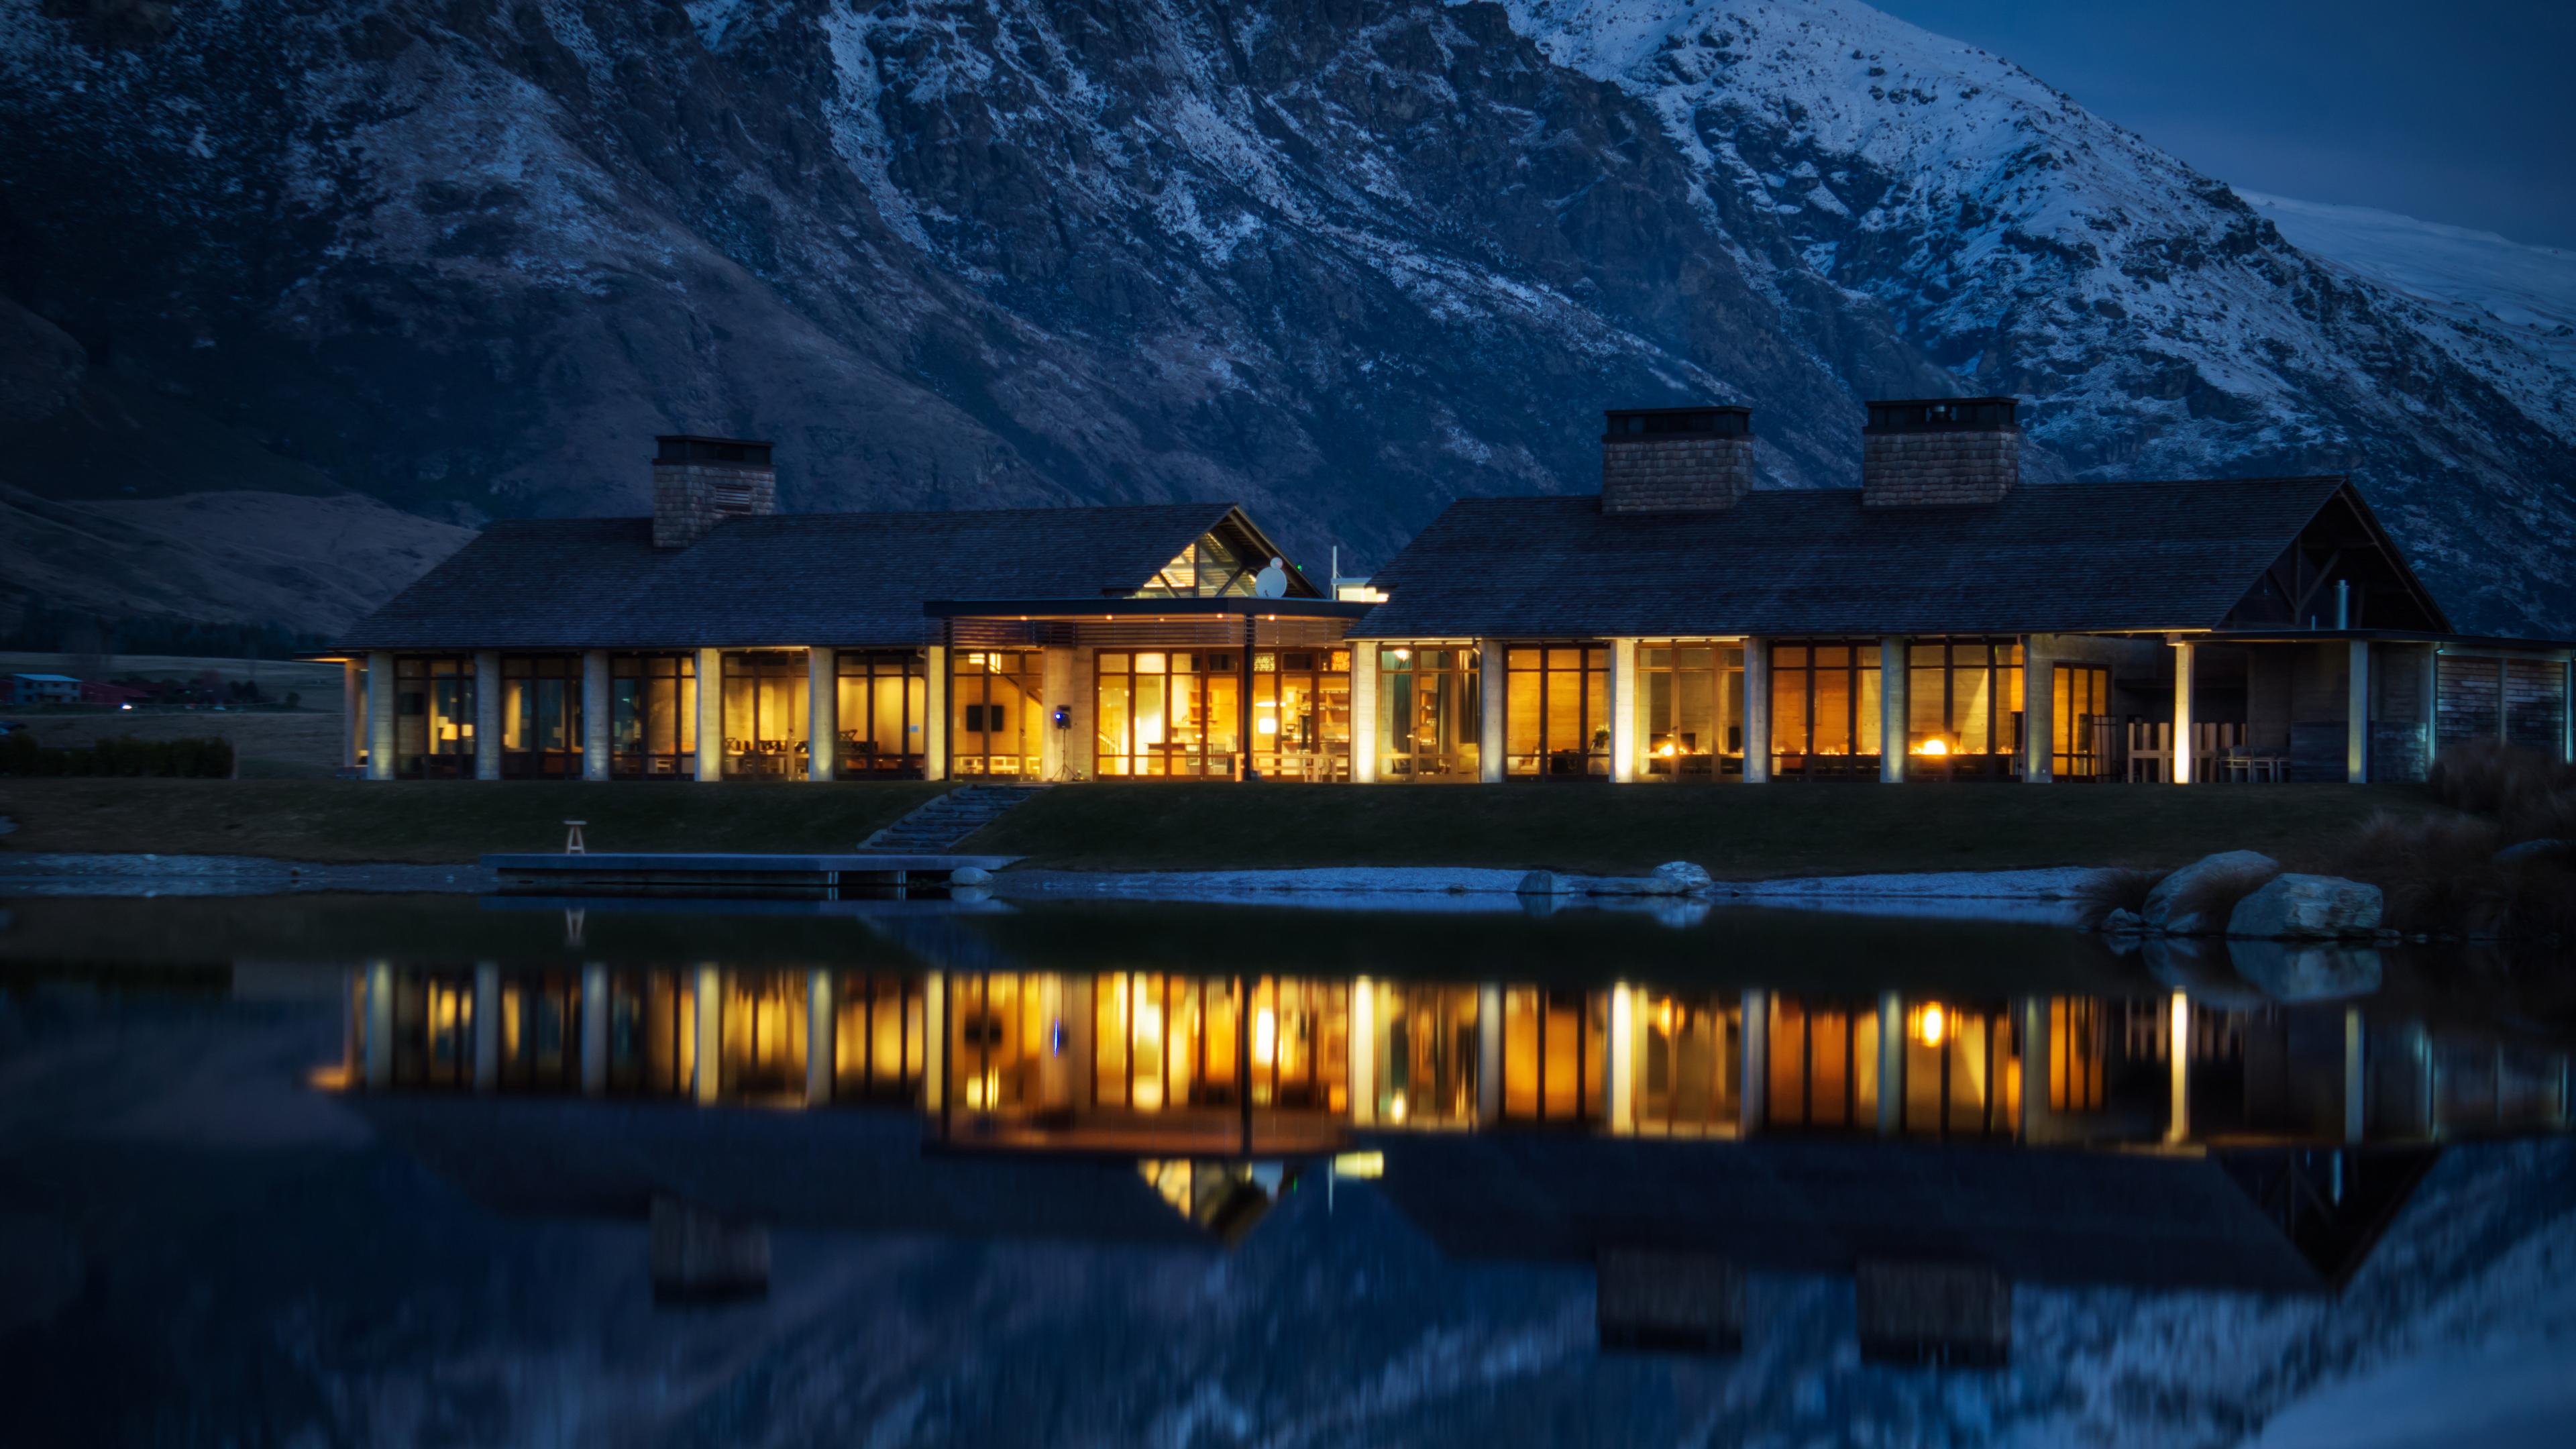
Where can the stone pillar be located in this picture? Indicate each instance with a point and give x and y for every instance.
(594, 1030)
(1364, 743)
(2355, 1083)
(487, 1026)
(2356, 734)
(2183, 653)
(1623, 711)
(1893, 710)
(934, 723)
(2034, 1067)
(1755, 1033)
(1082, 745)
(1489, 1054)
(2431, 696)
(380, 1025)
(380, 715)
(1490, 676)
(1363, 1052)
(353, 713)
(1891, 1064)
(934, 1040)
(822, 713)
(598, 713)
(821, 1041)
(2178, 1070)
(1620, 1068)
(1058, 682)
(1757, 711)
(2038, 714)
(711, 750)
(710, 1028)
(487, 714)
(2567, 711)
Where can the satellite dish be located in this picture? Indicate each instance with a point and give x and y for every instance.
(1271, 583)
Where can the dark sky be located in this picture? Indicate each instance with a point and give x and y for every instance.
(2460, 112)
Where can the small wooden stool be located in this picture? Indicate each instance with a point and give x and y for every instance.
(572, 840)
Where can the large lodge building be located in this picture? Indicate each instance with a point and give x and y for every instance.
(1942, 622)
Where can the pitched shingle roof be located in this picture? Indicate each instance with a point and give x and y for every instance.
(847, 580)
(2049, 558)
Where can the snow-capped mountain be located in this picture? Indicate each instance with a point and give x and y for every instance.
(1339, 263)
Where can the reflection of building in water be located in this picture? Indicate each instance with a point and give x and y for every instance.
(1169, 1065)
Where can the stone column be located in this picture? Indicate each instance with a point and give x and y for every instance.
(594, 1030)
(2356, 734)
(822, 713)
(2038, 714)
(2183, 653)
(1891, 1064)
(711, 751)
(2567, 711)
(380, 1024)
(709, 1087)
(353, 713)
(1489, 1054)
(1624, 694)
(1363, 1052)
(487, 714)
(2355, 1083)
(1893, 712)
(487, 1026)
(380, 715)
(2431, 697)
(934, 723)
(1755, 1007)
(2034, 1067)
(2178, 1070)
(598, 713)
(1757, 711)
(1364, 745)
(1621, 1066)
(821, 1041)
(934, 1040)
(1058, 682)
(1490, 675)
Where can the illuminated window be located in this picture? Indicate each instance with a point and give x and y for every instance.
(1430, 714)
(1825, 710)
(1556, 712)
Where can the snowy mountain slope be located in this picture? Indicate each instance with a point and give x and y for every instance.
(1340, 264)
(2504, 309)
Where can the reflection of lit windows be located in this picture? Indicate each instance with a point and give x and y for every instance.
(1265, 1037)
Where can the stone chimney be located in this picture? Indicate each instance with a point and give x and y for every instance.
(1935, 452)
(1675, 460)
(700, 482)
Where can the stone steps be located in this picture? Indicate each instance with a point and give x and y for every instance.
(939, 825)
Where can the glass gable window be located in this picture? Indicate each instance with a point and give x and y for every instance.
(540, 716)
(1430, 714)
(1301, 714)
(2083, 742)
(653, 716)
(765, 695)
(434, 716)
(1694, 710)
(1209, 568)
(1825, 710)
(999, 703)
(1556, 703)
(1168, 715)
(883, 700)
(1963, 709)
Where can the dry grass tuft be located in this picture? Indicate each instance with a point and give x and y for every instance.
(2105, 891)
(2213, 896)
(2440, 876)
(2529, 795)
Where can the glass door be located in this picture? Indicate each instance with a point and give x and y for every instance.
(1301, 714)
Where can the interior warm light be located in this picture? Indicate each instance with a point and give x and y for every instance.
(1265, 726)
(1395, 1108)
(1359, 1164)
(1404, 654)
(1665, 1019)
(1666, 751)
(1149, 1023)
(1932, 747)
(1265, 1036)
(1930, 1025)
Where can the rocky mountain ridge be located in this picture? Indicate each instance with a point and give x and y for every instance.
(1341, 263)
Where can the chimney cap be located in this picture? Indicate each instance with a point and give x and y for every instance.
(1725, 420)
(1942, 414)
(699, 448)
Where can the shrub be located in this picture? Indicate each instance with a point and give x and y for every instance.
(199, 759)
(2105, 891)
(2525, 791)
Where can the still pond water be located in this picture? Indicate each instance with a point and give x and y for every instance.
(437, 1170)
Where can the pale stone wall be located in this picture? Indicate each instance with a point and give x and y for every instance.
(1935, 469)
(1675, 474)
(691, 498)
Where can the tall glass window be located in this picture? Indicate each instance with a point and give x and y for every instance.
(653, 716)
(1824, 1064)
(763, 1033)
(879, 1036)
(1694, 710)
(2082, 742)
(1963, 709)
(765, 698)
(540, 716)
(1301, 714)
(883, 697)
(1556, 703)
(1168, 714)
(1962, 1071)
(1555, 1054)
(1429, 1051)
(1694, 1064)
(1825, 710)
(1430, 718)
(434, 716)
(1163, 1042)
(998, 698)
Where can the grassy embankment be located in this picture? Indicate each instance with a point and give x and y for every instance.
(1736, 833)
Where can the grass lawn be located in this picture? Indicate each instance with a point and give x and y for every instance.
(1780, 830)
